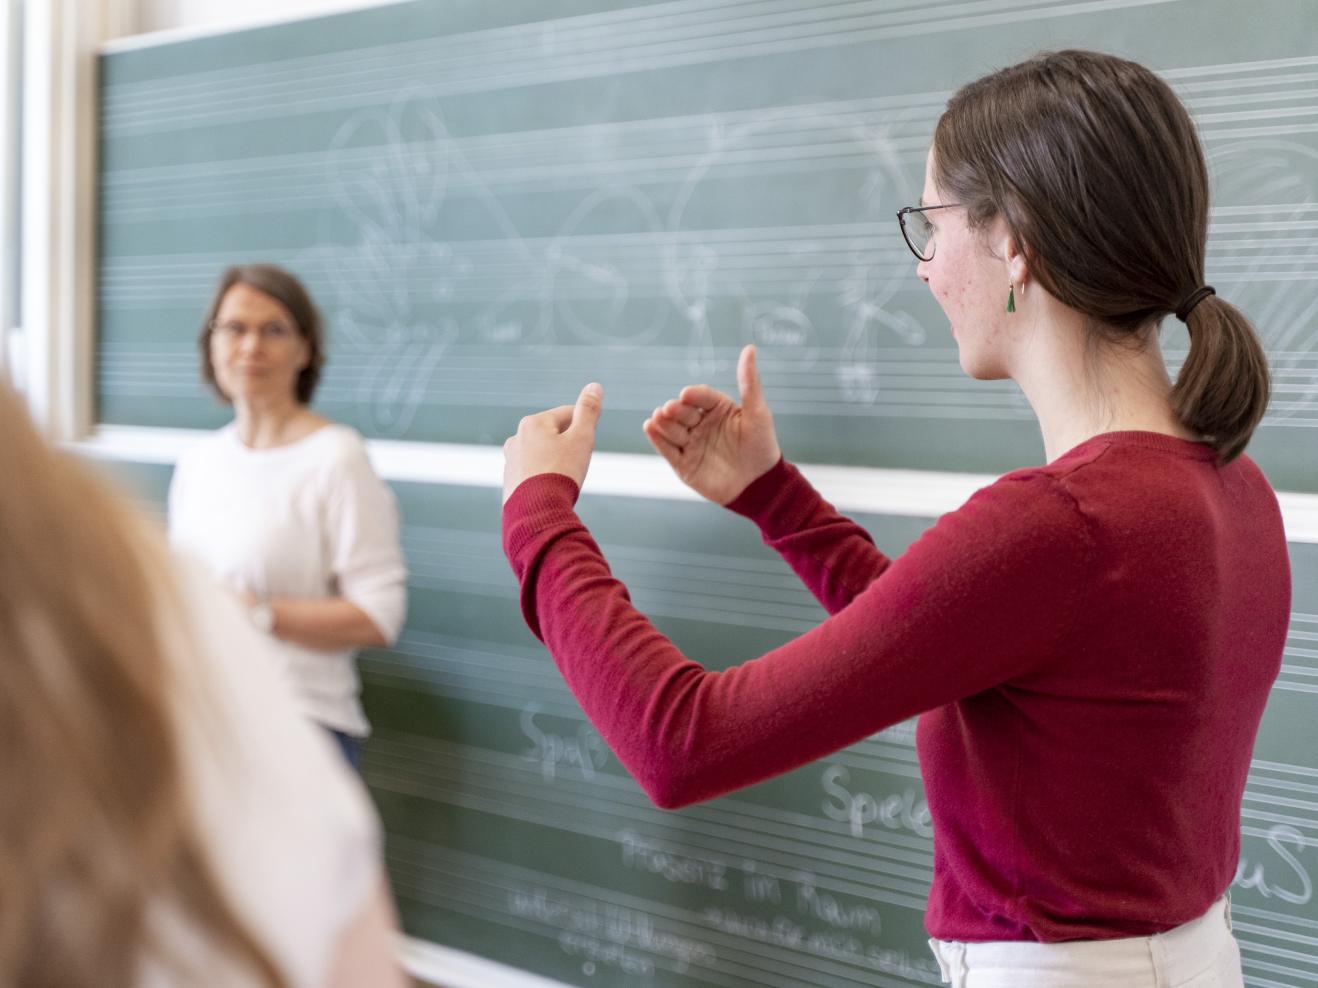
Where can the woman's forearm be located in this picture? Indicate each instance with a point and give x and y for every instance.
(324, 623)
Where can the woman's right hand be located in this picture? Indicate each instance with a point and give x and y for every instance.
(716, 446)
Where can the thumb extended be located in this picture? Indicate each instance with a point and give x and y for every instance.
(748, 381)
(586, 412)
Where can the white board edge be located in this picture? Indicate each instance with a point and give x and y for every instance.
(907, 493)
(451, 968)
(174, 35)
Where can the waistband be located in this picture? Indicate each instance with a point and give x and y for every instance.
(1173, 956)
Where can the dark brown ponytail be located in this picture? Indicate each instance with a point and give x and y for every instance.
(1222, 390)
(1094, 165)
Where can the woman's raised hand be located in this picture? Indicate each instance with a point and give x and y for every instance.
(560, 440)
(716, 446)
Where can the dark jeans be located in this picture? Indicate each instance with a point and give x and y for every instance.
(350, 746)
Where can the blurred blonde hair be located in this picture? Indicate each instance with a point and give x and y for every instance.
(96, 831)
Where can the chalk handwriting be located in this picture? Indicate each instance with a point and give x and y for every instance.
(896, 811)
(586, 752)
(1294, 884)
(642, 854)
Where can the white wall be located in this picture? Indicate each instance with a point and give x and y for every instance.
(160, 15)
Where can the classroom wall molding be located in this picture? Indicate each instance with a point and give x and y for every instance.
(11, 53)
(236, 17)
(58, 204)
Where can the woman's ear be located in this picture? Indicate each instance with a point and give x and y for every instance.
(1018, 262)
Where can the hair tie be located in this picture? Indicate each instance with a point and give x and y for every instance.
(1193, 299)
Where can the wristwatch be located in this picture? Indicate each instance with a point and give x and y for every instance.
(262, 615)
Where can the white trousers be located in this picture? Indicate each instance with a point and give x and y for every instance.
(1199, 954)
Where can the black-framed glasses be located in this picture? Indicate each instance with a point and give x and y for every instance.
(274, 332)
(917, 231)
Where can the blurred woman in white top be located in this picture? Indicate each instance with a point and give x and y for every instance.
(282, 505)
(167, 819)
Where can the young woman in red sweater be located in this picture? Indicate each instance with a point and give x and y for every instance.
(1089, 644)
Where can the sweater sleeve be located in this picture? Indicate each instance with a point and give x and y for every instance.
(985, 595)
(362, 533)
(834, 557)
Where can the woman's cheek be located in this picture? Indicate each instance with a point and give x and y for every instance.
(951, 297)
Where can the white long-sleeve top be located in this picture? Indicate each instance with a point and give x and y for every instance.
(307, 519)
(288, 829)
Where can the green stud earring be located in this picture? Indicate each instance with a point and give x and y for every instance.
(1011, 299)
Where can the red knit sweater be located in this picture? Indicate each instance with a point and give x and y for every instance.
(1090, 643)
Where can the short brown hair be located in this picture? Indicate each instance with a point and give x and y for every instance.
(285, 289)
(1096, 169)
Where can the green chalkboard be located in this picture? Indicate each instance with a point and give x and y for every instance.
(495, 202)
(513, 832)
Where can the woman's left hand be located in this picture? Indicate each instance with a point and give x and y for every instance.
(557, 441)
